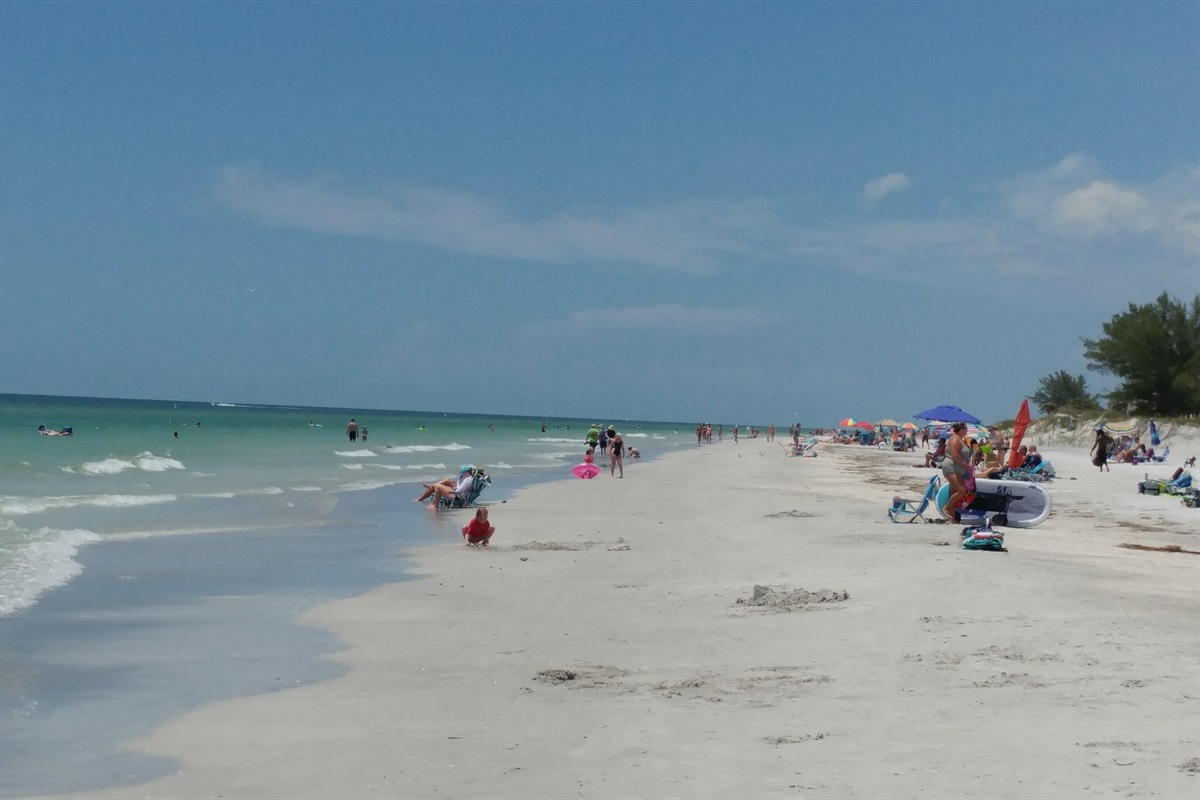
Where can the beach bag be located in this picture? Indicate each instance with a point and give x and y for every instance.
(982, 537)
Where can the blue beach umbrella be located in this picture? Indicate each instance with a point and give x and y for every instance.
(948, 414)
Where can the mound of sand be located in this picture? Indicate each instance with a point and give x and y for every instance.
(787, 600)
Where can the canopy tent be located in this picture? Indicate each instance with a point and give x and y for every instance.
(888, 423)
(947, 414)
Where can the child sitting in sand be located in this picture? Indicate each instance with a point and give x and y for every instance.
(478, 532)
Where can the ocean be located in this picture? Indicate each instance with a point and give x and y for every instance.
(156, 559)
(144, 469)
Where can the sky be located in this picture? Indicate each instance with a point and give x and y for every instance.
(732, 212)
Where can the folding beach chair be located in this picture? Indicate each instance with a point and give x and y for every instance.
(911, 510)
(1042, 472)
(479, 482)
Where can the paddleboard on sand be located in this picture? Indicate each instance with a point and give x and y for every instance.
(1017, 504)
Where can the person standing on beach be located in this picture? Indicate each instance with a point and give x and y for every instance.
(616, 452)
(1099, 451)
(955, 467)
(352, 429)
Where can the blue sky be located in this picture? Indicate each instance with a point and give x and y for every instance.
(734, 212)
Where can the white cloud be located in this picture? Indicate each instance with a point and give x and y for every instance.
(1102, 208)
(1069, 220)
(885, 185)
(690, 237)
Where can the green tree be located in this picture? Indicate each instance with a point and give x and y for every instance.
(1063, 390)
(1155, 350)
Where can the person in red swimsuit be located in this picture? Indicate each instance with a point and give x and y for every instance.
(478, 531)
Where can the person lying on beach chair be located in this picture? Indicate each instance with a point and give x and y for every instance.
(449, 482)
(457, 494)
(467, 498)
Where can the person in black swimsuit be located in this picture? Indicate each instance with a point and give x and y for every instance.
(616, 453)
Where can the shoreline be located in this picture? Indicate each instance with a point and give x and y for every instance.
(599, 650)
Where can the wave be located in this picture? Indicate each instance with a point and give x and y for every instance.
(364, 486)
(37, 561)
(20, 506)
(555, 440)
(147, 462)
(355, 453)
(396, 467)
(577, 455)
(425, 448)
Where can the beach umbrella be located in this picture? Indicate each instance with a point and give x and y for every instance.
(908, 426)
(947, 414)
(888, 423)
(1014, 458)
(861, 424)
(848, 422)
(1154, 440)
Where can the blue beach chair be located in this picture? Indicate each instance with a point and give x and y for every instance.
(479, 481)
(1040, 473)
(911, 510)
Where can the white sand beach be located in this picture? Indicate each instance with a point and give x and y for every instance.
(599, 649)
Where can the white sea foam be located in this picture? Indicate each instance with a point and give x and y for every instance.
(425, 448)
(355, 453)
(363, 486)
(353, 466)
(556, 440)
(152, 463)
(34, 561)
(147, 462)
(574, 454)
(20, 506)
(307, 489)
(399, 467)
(109, 466)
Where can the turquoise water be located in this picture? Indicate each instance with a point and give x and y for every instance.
(140, 469)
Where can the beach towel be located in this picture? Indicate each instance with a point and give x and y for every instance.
(982, 537)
